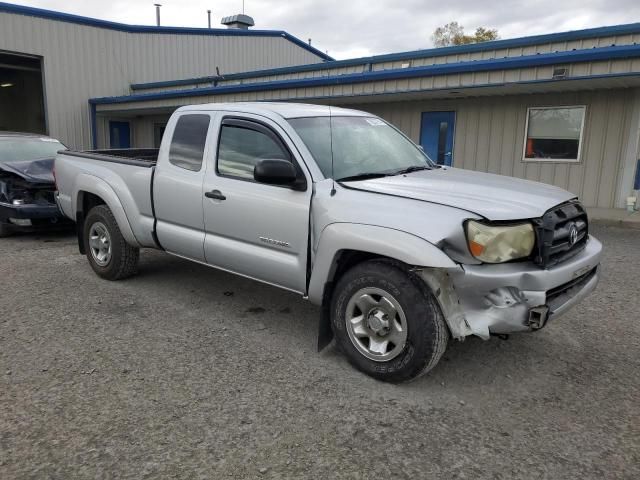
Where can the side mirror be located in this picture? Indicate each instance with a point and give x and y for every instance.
(275, 171)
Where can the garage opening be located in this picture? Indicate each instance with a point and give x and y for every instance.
(21, 94)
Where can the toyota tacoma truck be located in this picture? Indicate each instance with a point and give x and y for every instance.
(402, 255)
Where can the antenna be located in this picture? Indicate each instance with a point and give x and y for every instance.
(209, 18)
(333, 179)
(243, 7)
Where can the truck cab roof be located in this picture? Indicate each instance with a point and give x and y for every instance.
(282, 109)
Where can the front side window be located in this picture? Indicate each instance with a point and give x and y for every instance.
(353, 146)
(188, 141)
(241, 148)
(554, 134)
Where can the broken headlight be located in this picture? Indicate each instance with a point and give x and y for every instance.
(499, 243)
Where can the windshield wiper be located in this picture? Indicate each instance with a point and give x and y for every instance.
(363, 176)
(413, 168)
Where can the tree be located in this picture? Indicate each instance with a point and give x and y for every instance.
(453, 34)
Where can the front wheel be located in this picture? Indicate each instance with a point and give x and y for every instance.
(110, 256)
(387, 321)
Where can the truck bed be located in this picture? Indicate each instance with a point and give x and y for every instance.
(122, 178)
(139, 157)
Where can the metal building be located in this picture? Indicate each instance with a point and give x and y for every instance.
(52, 63)
(562, 108)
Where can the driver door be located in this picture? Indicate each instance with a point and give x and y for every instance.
(254, 229)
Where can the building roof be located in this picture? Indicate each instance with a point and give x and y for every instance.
(142, 29)
(495, 64)
(615, 30)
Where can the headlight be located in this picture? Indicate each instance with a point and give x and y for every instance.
(497, 244)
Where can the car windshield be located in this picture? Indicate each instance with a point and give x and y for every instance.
(15, 149)
(361, 146)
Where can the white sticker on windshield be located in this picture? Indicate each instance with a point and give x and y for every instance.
(376, 122)
(52, 140)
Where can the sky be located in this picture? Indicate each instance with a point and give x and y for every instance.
(356, 28)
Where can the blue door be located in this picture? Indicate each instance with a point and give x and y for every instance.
(436, 136)
(119, 135)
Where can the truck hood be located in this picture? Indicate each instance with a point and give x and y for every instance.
(34, 171)
(494, 197)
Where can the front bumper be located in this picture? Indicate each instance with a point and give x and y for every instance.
(39, 215)
(517, 297)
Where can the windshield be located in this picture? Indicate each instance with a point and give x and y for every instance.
(15, 149)
(361, 146)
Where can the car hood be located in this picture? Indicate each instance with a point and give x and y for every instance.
(494, 197)
(35, 171)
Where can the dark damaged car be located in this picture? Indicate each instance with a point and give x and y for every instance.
(27, 183)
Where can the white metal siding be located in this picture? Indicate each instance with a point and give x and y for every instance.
(489, 137)
(81, 62)
(443, 59)
(490, 133)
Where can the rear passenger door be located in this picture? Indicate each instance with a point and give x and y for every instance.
(255, 229)
(177, 185)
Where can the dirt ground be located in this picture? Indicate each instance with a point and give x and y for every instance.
(188, 372)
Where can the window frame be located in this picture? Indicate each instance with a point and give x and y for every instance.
(264, 128)
(578, 158)
(206, 141)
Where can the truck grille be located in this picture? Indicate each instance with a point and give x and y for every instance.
(580, 281)
(561, 233)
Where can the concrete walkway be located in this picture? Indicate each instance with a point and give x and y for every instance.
(615, 216)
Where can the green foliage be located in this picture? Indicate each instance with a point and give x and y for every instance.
(453, 34)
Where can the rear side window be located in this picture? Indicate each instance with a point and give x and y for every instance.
(241, 148)
(189, 139)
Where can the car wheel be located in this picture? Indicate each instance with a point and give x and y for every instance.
(110, 256)
(387, 321)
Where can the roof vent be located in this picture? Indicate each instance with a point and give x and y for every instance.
(560, 72)
(241, 21)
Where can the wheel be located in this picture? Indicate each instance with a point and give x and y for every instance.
(387, 321)
(5, 230)
(110, 256)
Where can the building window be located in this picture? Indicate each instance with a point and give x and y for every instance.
(188, 141)
(554, 134)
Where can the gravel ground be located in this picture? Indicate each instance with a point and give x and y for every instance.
(187, 372)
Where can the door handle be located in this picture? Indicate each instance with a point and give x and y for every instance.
(215, 194)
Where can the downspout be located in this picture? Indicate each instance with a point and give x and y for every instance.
(636, 186)
(94, 126)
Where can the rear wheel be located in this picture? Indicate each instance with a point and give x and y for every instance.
(387, 321)
(110, 256)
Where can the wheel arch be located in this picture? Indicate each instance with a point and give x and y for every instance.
(92, 191)
(342, 246)
(346, 244)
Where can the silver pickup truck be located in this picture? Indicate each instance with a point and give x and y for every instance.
(339, 206)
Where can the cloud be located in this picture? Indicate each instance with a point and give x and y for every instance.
(348, 28)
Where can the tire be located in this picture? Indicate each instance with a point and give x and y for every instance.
(110, 256)
(5, 230)
(409, 354)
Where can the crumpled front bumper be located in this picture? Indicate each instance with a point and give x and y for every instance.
(518, 297)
